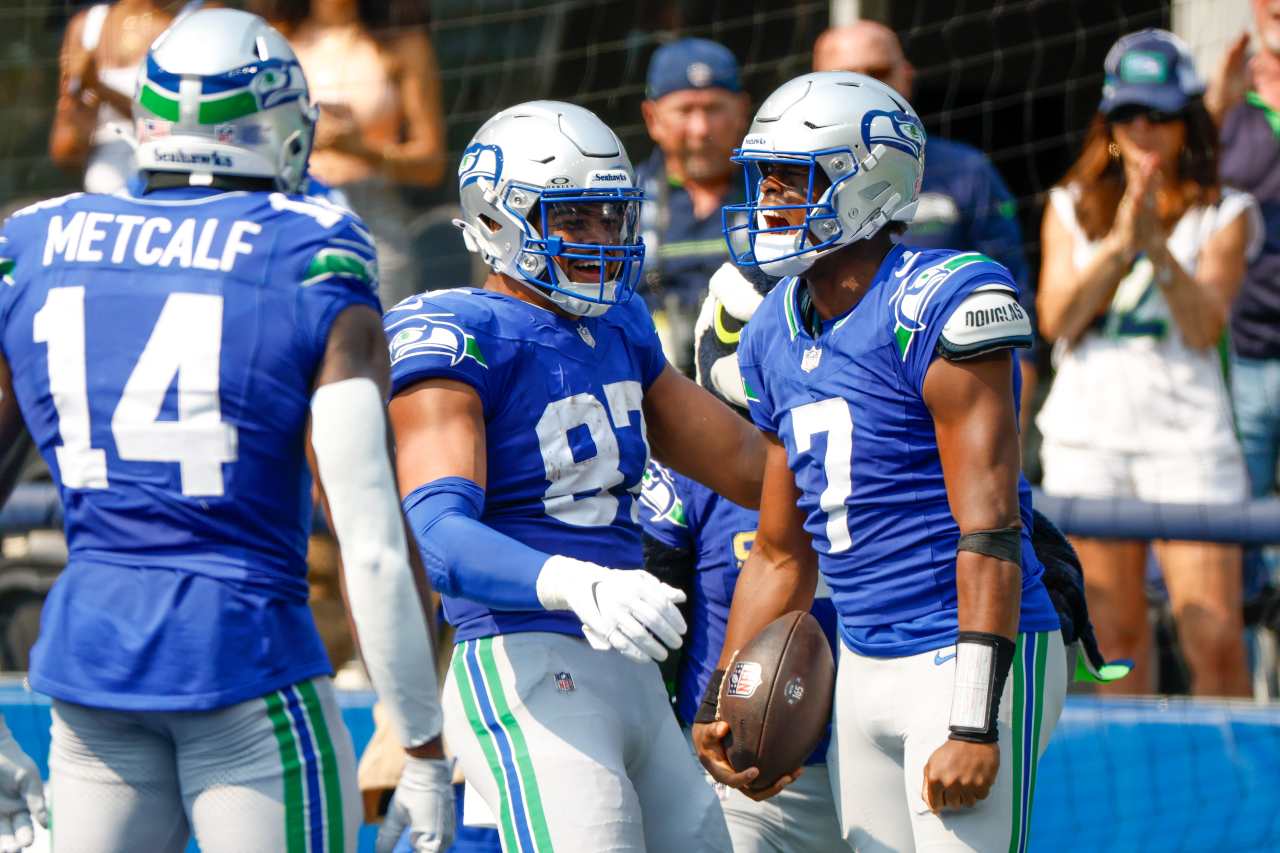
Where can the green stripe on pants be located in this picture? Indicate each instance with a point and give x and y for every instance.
(485, 737)
(1015, 748)
(328, 766)
(291, 772)
(1042, 657)
(524, 766)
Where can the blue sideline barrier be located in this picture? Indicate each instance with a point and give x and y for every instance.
(1119, 775)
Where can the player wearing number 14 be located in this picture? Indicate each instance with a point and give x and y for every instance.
(888, 380)
(175, 352)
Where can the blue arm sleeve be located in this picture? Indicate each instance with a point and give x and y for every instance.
(466, 558)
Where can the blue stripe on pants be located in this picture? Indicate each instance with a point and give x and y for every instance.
(504, 748)
(315, 803)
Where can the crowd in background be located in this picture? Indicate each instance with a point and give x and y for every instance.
(1158, 288)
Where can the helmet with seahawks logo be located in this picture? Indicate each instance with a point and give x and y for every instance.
(858, 138)
(532, 165)
(221, 93)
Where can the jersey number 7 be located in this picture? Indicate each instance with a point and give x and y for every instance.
(186, 341)
(830, 416)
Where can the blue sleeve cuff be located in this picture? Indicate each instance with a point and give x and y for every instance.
(466, 558)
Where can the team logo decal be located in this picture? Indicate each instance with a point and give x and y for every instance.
(480, 161)
(658, 495)
(564, 682)
(794, 691)
(894, 129)
(917, 290)
(433, 335)
(744, 679)
(276, 85)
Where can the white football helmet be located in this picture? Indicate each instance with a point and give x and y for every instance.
(221, 93)
(527, 168)
(867, 141)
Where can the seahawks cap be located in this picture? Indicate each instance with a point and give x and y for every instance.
(1150, 68)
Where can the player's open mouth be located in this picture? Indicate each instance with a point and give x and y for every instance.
(773, 220)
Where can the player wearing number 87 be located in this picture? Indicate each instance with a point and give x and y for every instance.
(177, 352)
(523, 413)
(886, 380)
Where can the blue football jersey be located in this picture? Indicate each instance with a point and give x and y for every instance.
(717, 533)
(163, 350)
(564, 430)
(849, 408)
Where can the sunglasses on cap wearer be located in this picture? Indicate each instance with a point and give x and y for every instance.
(1131, 112)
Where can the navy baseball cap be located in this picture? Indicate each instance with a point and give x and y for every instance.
(1150, 68)
(691, 64)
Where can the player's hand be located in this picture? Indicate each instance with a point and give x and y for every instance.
(21, 795)
(708, 740)
(422, 803)
(629, 611)
(959, 774)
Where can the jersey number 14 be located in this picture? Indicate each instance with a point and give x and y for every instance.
(187, 342)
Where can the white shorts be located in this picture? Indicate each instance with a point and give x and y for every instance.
(1185, 478)
(576, 749)
(802, 817)
(892, 713)
(269, 775)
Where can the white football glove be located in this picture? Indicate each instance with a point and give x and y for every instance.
(423, 803)
(624, 609)
(21, 795)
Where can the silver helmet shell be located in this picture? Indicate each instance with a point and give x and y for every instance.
(222, 93)
(536, 155)
(857, 132)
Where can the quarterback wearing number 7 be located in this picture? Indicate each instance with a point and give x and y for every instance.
(885, 380)
(524, 412)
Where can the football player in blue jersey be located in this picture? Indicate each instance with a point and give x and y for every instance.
(523, 413)
(178, 352)
(885, 382)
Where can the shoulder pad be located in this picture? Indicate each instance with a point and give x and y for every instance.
(987, 320)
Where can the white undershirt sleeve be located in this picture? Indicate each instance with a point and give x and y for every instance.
(348, 433)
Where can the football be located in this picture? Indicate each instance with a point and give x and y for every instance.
(776, 697)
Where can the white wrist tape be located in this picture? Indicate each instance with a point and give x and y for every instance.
(348, 432)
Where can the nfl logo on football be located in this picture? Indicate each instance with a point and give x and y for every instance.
(744, 679)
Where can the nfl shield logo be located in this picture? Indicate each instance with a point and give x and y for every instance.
(811, 358)
(744, 679)
(564, 682)
(585, 333)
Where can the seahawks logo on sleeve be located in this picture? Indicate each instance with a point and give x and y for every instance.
(433, 334)
(917, 290)
(658, 496)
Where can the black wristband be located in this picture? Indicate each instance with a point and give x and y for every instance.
(982, 666)
(710, 699)
(1003, 544)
